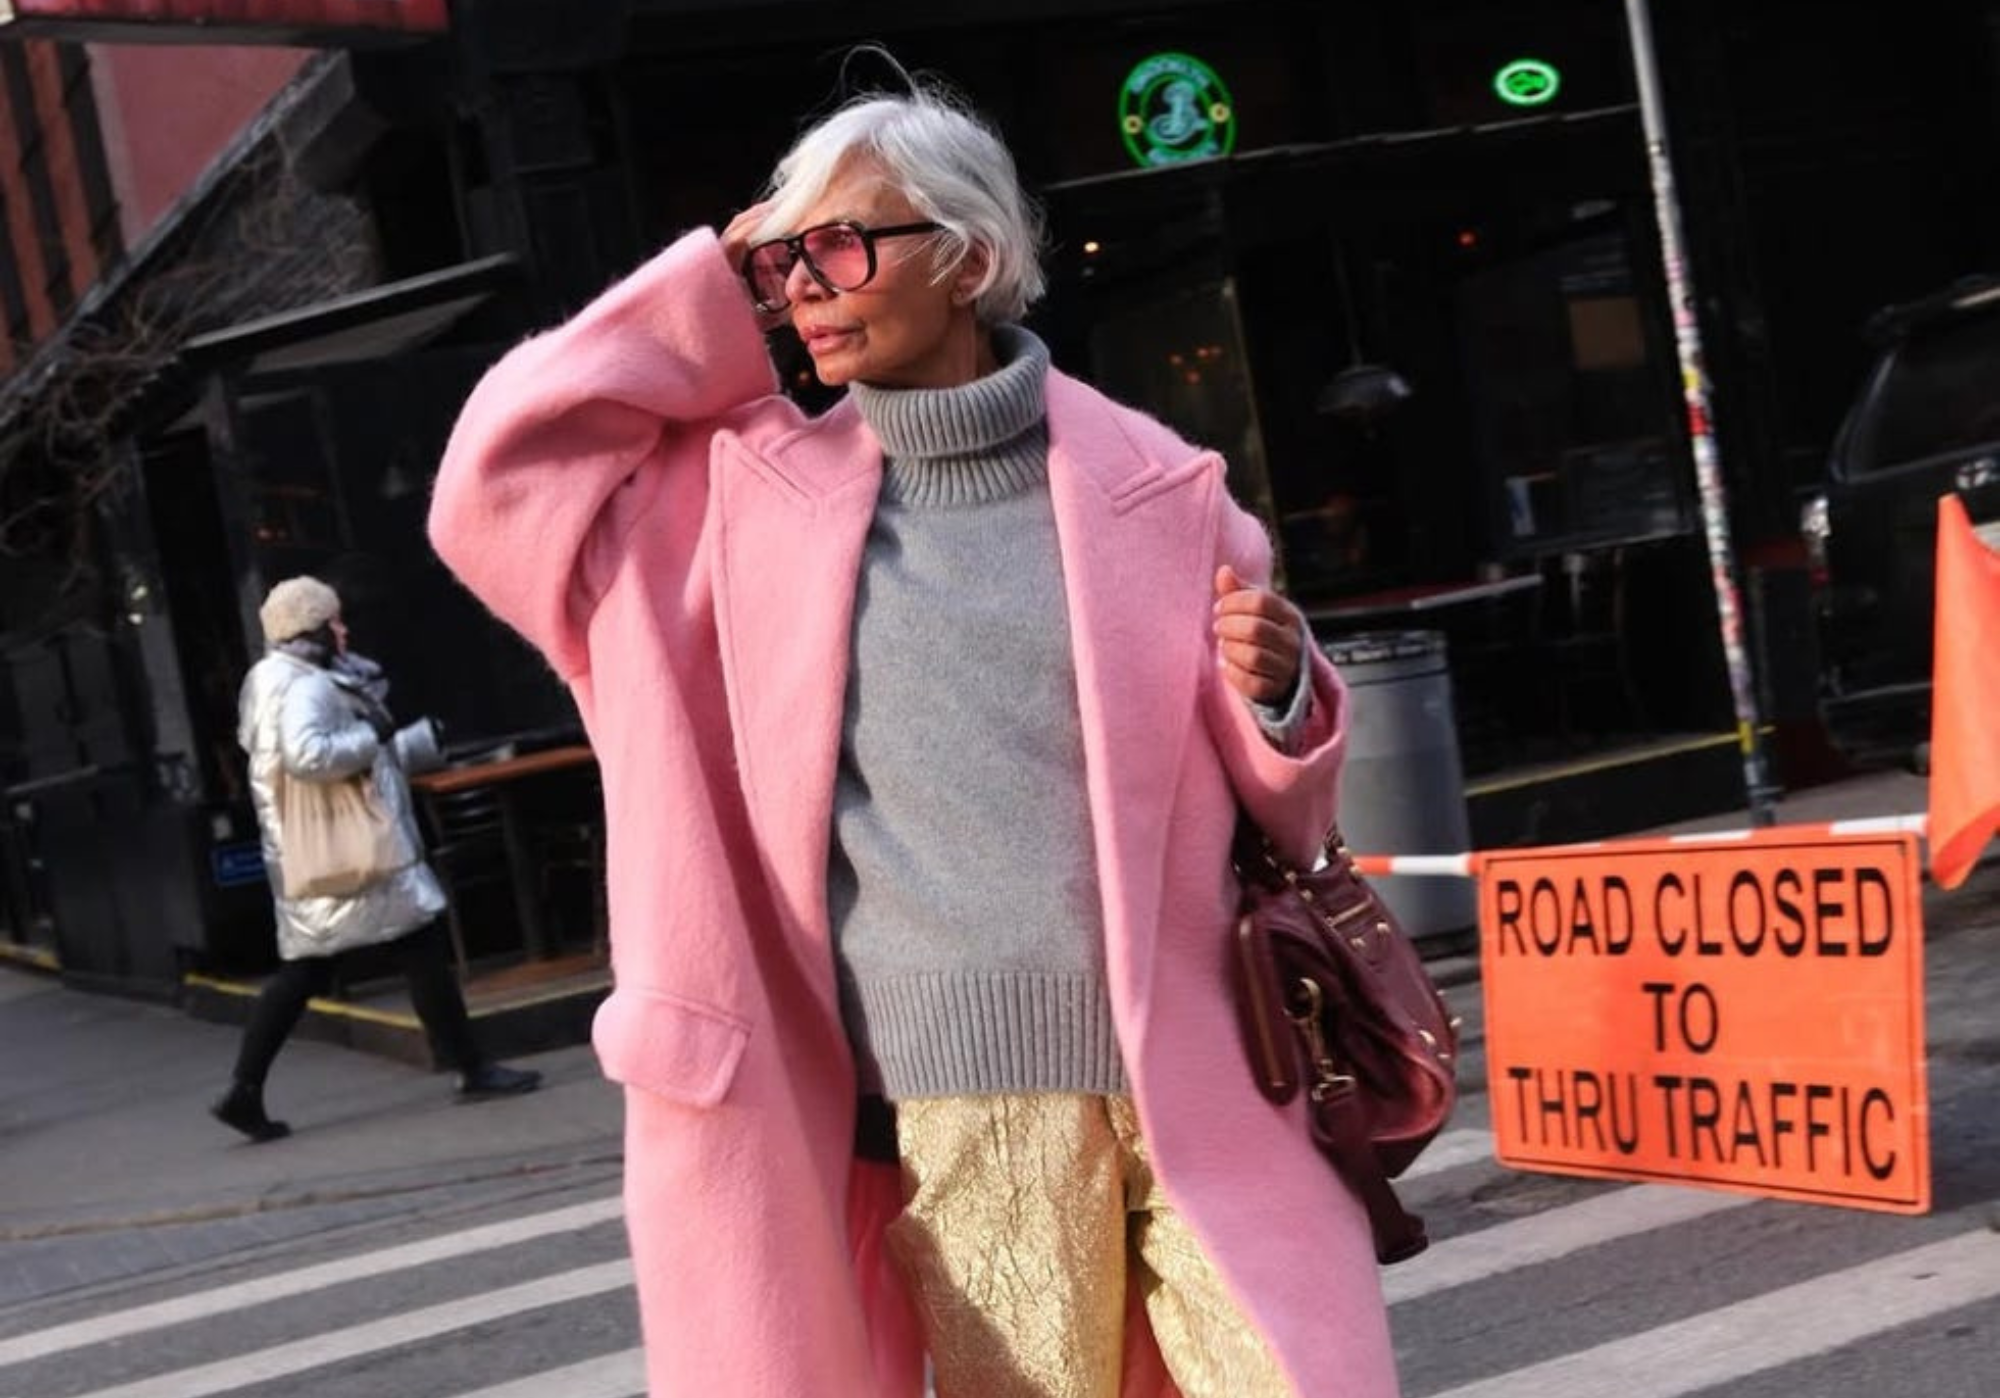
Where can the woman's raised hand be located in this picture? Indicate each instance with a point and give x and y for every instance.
(736, 240)
(1256, 639)
(737, 236)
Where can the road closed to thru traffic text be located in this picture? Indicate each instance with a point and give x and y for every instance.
(1747, 1015)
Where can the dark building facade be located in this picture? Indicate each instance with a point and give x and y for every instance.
(1414, 294)
(1382, 202)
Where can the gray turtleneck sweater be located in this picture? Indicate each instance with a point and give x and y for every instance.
(968, 927)
(963, 887)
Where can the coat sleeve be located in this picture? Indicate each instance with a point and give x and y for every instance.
(320, 737)
(532, 499)
(1294, 794)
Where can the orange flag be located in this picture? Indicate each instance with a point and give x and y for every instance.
(1965, 698)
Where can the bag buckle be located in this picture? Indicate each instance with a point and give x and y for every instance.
(1305, 1017)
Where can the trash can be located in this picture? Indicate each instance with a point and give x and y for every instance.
(1402, 788)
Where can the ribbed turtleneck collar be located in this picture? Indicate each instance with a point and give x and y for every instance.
(980, 441)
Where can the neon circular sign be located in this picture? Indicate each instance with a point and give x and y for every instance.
(1527, 82)
(1173, 107)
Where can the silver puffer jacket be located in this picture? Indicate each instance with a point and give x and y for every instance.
(309, 719)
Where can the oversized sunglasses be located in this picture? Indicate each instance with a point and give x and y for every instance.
(839, 256)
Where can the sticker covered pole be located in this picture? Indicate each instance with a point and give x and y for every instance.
(1701, 431)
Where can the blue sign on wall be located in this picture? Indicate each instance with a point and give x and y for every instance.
(235, 865)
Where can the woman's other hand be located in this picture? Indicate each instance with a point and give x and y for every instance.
(1256, 639)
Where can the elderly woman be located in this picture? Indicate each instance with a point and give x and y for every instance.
(311, 710)
(924, 727)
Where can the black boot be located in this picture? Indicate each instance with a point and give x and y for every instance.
(493, 1080)
(242, 1107)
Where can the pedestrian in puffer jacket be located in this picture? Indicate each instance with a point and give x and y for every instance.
(312, 710)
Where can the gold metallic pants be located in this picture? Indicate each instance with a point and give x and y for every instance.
(1024, 1215)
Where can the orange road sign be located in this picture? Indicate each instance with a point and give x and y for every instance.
(1747, 1015)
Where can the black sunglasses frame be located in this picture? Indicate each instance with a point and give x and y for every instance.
(796, 246)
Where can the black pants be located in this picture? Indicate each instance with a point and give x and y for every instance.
(425, 960)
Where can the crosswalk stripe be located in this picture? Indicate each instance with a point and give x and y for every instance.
(218, 1300)
(620, 1375)
(296, 1356)
(1551, 1234)
(1452, 1149)
(1779, 1327)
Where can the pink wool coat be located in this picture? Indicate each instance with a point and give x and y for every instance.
(631, 493)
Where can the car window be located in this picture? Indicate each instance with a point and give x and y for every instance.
(1941, 394)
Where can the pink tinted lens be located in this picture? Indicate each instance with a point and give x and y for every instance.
(770, 265)
(840, 255)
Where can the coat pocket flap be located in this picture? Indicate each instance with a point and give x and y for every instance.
(680, 1049)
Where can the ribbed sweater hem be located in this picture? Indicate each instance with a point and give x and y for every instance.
(967, 1033)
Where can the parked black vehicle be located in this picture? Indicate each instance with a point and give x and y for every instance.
(1926, 423)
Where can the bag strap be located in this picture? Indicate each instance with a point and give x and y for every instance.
(1256, 860)
(1339, 1123)
(1337, 1115)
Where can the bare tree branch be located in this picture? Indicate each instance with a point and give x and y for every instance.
(268, 242)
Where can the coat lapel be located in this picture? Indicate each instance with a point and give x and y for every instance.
(1137, 534)
(790, 525)
(1136, 531)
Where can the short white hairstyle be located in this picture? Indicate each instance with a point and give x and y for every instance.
(297, 606)
(949, 164)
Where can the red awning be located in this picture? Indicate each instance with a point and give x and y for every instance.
(304, 22)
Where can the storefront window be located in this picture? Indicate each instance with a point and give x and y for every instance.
(1571, 415)
(1180, 352)
(297, 516)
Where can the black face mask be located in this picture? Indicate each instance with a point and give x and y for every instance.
(316, 647)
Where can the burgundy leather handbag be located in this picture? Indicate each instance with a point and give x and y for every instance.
(1334, 999)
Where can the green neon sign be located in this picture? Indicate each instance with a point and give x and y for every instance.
(1527, 82)
(1172, 107)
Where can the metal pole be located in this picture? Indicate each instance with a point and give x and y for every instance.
(1701, 433)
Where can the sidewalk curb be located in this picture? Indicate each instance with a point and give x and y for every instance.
(507, 1027)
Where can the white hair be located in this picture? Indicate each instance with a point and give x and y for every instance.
(949, 164)
(297, 606)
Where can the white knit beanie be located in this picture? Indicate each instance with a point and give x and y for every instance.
(296, 606)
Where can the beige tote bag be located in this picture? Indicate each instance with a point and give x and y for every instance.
(336, 839)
